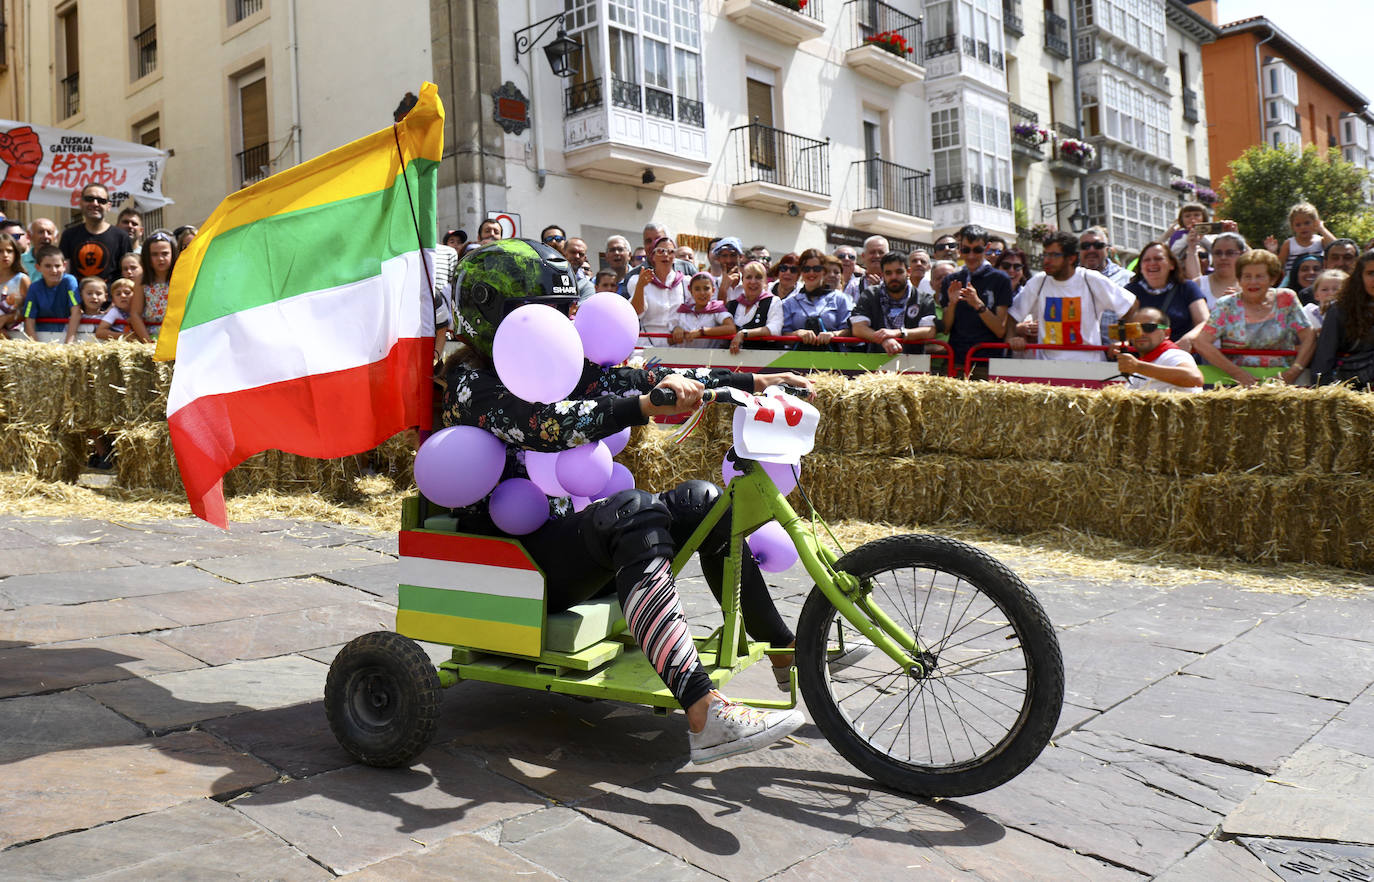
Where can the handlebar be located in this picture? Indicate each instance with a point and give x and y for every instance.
(662, 397)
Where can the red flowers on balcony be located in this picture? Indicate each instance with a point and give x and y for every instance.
(891, 41)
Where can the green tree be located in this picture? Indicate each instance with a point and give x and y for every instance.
(1265, 182)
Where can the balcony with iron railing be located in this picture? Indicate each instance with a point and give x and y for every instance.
(1056, 34)
(145, 52)
(253, 164)
(1070, 155)
(71, 95)
(779, 171)
(787, 21)
(1027, 135)
(885, 43)
(893, 200)
(1011, 18)
(642, 128)
(1190, 113)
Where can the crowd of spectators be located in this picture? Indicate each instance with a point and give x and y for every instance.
(107, 276)
(1198, 295)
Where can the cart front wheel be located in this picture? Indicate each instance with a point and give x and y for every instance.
(382, 699)
(968, 712)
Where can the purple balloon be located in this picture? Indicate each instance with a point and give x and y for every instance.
(608, 326)
(459, 465)
(616, 443)
(538, 354)
(542, 470)
(518, 507)
(621, 479)
(772, 548)
(583, 471)
(780, 472)
(580, 502)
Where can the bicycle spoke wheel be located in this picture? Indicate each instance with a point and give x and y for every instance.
(973, 708)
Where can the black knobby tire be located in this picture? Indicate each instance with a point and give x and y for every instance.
(995, 686)
(382, 699)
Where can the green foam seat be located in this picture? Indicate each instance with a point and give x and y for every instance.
(583, 625)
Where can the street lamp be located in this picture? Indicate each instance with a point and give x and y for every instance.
(1078, 221)
(564, 53)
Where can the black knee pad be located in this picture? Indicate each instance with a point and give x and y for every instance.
(688, 504)
(629, 527)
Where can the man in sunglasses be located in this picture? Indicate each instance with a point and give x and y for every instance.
(1063, 304)
(1158, 365)
(975, 299)
(94, 247)
(556, 238)
(849, 264)
(946, 248)
(1094, 249)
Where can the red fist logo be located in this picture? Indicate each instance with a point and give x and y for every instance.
(22, 151)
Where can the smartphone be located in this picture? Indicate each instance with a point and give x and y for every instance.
(1210, 229)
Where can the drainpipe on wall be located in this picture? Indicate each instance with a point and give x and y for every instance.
(1078, 103)
(1259, 79)
(295, 82)
(480, 190)
(540, 173)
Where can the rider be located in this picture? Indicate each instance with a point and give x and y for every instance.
(628, 539)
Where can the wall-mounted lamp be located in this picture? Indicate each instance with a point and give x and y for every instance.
(564, 53)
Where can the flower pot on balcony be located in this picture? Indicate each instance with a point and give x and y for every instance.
(775, 20)
(883, 65)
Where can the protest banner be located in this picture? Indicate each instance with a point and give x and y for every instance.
(49, 166)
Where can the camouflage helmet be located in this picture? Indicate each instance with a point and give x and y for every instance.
(503, 275)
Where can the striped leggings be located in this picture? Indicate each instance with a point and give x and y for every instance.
(652, 610)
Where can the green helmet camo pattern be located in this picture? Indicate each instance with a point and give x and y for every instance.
(504, 275)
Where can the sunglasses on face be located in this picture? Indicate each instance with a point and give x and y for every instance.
(848, 257)
(1092, 246)
(946, 246)
(98, 200)
(1013, 266)
(1124, 333)
(788, 267)
(994, 252)
(971, 249)
(812, 268)
(555, 239)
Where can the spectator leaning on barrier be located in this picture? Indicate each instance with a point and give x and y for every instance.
(150, 300)
(1158, 365)
(894, 313)
(1062, 305)
(1158, 284)
(14, 285)
(1345, 352)
(870, 274)
(52, 295)
(757, 313)
(816, 312)
(93, 247)
(114, 324)
(976, 298)
(658, 292)
(704, 322)
(1259, 317)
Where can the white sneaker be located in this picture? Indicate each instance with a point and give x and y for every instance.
(736, 728)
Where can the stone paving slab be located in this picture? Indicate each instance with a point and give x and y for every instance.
(1214, 861)
(1198, 618)
(1331, 667)
(60, 559)
(106, 583)
(577, 849)
(1127, 803)
(170, 701)
(52, 623)
(1353, 727)
(353, 817)
(70, 531)
(227, 600)
(289, 563)
(294, 739)
(1104, 666)
(200, 840)
(12, 537)
(466, 856)
(378, 579)
(1251, 727)
(1332, 616)
(57, 792)
(36, 724)
(26, 670)
(1320, 792)
(1070, 602)
(279, 633)
(389, 544)
(157, 550)
(317, 535)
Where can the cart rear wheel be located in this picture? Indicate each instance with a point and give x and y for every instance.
(382, 699)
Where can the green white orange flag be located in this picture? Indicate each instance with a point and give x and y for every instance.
(301, 318)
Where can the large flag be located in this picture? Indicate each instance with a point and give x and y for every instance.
(301, 318)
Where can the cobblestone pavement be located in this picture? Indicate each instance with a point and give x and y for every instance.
(160, 717)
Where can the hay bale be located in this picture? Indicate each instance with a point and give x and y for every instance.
(43, 384)
(46, 452)
(144, 460)
(394, 458)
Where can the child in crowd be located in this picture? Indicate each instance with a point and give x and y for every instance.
(1324, 292)
(131, 268)
(52, 295)
(94, 297)
(114, 324)
(605, 281)
(705, 317)
(159, 257)
(1310, 235)
(1189, 215)
(14, 284)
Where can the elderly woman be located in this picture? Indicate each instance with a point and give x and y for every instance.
(1259, 317)
(757, 312)
(787, 271)
(1345, 351)
(1158, 284)
(659, 291)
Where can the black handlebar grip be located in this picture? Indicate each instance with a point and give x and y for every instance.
(661, 397)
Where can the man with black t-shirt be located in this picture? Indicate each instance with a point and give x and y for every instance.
(93, 247)
(975, 298)
(893, 315)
